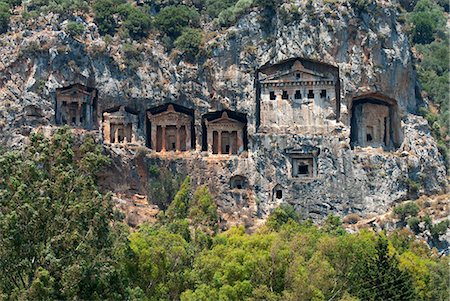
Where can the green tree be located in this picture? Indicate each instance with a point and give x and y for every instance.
(281, 216)
(189, 42)
(405, 210)
(178, 208)
(55, 233)
(4, 17)
(74, 29)
(203, 211)
(172, 19)
(136, 23)
(104, 15)
(380, 278)
(160, 261)
(426, 18)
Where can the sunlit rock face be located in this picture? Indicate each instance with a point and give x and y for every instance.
(315, 105)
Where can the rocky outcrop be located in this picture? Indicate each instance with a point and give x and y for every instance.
(367, 46)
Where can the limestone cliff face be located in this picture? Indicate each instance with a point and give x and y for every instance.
(368, 48)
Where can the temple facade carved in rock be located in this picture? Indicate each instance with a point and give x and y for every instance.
(295, 99)
(225, 135)
(76, 106)
(291, 142)
(120, 127)
(170, 130)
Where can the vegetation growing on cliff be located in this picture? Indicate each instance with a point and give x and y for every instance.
(429, 33)
(60, 239)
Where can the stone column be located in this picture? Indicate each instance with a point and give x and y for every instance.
(387, 131)
(116, 135)
(240, 141)
(231, 137)
(163, 138)
(210, 139)
(106, 130)
(78, 117)
(153, 138)
(188, 136)
(177, 139)
(219, 142)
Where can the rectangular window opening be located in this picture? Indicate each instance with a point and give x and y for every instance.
(272, 95)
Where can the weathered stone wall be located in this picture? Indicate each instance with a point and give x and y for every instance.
(369, 48)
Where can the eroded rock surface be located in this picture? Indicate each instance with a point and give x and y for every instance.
(316, 170)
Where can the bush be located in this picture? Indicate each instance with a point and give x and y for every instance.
(351, 218)
(405, 210)
(189, 42)
(74, 29)
(104, 15)
(4, 17)
(281, 216)
(229, 16)
(413, 224)
(426, 18)
(136, 23)
(65, 8)
(172, 19)
(203, 211)
(215, 7)
(439, 229)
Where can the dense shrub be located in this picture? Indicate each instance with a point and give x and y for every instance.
(439, 229)
(189, 42)
(229, 16)
(135, 22)
(104, 15)
(65, 8)
(74, 29)
(215, 7)
(163, 186)
(405, 210)
(426, 18)
(413, 224)
(4, 17)
(55, 225)
(172, 19)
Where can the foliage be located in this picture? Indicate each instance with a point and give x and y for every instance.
(430, 34)
(229, 16)
(162, 186)
(380, 277)
(189, 42)
(135, 22)
(427, 17)
(178, 208)
(405, 210)
(173, 19)
(203, 211)
(55, 231)
(160, 260)
(104, 15)
(215, 7)
(413, 224)
(281, 216)
(4, 17)
(439, 229)
(74, 29)
(66, 8)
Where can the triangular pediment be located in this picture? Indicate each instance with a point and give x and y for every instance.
(75, 89)
(169, 114)
(296, 73)
(224, 119)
